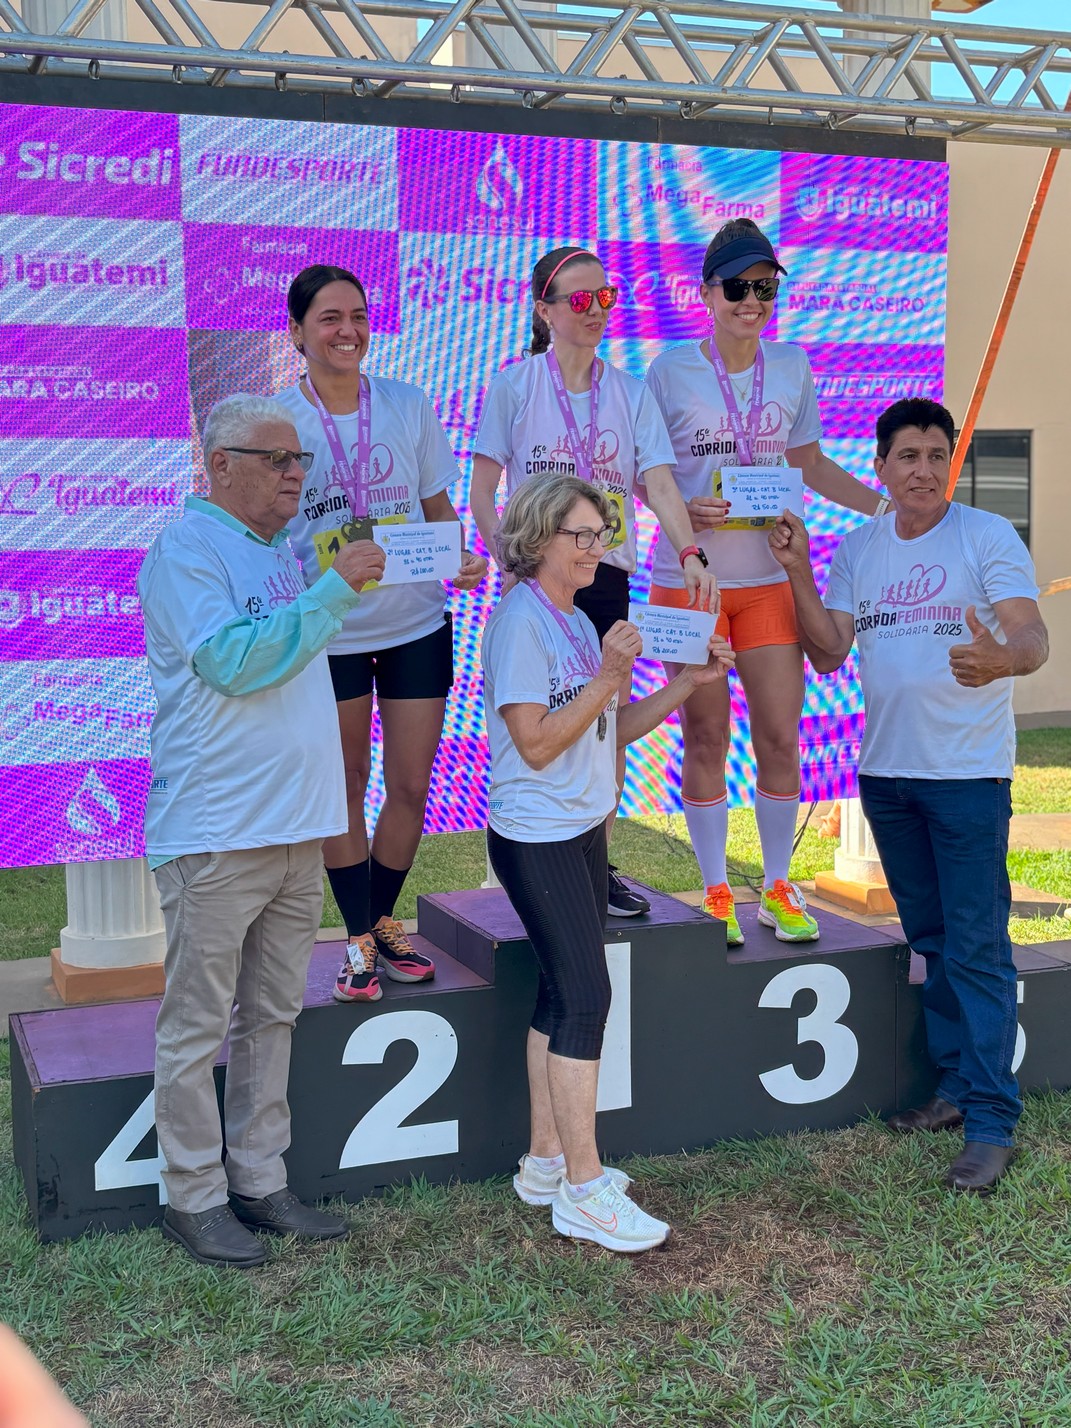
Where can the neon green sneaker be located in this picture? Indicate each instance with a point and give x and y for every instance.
(719, 903)
(784, 908)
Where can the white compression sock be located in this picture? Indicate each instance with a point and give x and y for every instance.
(775, 814)
(708, 828)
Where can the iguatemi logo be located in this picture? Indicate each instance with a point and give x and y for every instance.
(92, 804)
(42, 270)
(75, 494)
(844, 203)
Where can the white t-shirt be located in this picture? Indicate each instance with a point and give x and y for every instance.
(908, 599)
(247, 771)
(522, 428)
(685, 386)
(528, 660)
(411, 460)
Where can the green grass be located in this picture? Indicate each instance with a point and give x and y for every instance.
(819, 1279)
(1043, 771)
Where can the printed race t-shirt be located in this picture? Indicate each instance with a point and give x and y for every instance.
(908, 599)
(686, 389)
(522, 428)
(410, 460)
(249, 771)
(528, 660)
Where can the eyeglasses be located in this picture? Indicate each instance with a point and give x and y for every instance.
(585, 537)
(581, 300)
(280, 458)
(737, 289)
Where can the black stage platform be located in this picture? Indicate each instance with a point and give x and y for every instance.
(430, 1081)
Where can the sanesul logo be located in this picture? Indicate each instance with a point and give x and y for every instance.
(71, 162)
(72, 811)
(237, 277)
(496, 184)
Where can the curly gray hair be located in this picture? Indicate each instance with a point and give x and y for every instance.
(534, 514)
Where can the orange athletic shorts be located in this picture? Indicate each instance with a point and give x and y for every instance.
(751, 615)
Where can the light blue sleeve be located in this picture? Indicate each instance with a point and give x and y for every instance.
(247, 655)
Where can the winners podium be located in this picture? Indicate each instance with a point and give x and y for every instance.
(701, 1046)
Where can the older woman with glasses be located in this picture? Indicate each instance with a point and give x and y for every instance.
(554, 728)
(566, 409)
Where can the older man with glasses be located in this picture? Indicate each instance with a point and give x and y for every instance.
(247, 782)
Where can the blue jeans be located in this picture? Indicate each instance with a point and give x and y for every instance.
(944, 847)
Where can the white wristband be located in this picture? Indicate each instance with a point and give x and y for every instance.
(882, 506)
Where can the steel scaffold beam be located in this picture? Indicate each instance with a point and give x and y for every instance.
(744, 61)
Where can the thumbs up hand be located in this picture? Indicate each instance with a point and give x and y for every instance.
(980, 662)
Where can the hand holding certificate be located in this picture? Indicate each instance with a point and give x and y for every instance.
(420, 550)
(679, 636)
(758, 494)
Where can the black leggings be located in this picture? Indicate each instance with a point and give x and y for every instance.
(559, 890)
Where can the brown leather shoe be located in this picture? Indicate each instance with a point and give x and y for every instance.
(935, 1115)
(214, 1237)
(978, 1167)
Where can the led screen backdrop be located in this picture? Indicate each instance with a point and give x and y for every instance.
(144, 261)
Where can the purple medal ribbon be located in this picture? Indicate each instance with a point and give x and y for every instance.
(745, 441)
(355, 484)
(589, 661)
(583, 455)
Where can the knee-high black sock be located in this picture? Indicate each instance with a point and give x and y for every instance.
(350, 887)
(385, 884)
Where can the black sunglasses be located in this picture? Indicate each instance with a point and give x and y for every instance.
(737, 289)
(582, 299)
(279, 458)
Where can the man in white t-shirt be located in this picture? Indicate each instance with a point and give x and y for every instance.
(247, 782)
(925, 591)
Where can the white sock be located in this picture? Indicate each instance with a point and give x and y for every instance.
(708, 828)
(548, 1162)
(775, 814)
(579, 1192)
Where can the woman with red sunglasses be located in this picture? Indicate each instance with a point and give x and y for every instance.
(737, 400)
(567, 410)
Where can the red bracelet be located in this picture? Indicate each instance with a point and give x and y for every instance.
(693, 550)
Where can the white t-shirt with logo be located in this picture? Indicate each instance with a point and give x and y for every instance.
(522, 428)
(685, 386)
(249, 771)
(908, 599)
(528, 660)
(411, 460)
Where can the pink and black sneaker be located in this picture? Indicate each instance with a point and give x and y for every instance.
(357, 981)
(398, 957)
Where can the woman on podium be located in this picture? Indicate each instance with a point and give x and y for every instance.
(380, 456)
(732, 400)
(554, 727)
(566, 409)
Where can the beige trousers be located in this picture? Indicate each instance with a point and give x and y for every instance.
(240, 930)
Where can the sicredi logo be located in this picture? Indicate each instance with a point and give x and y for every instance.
(39, 159)
(431, 284)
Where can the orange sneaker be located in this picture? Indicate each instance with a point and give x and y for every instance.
(719, 903)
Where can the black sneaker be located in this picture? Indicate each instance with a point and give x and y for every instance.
(623, 901)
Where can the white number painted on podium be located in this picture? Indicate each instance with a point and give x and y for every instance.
(379, 1136)
(838, 1042)
(1020, 1034)
(114, 1169)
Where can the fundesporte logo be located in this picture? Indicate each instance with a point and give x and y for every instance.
(93, 801)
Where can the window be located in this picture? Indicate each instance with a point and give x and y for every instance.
(996, 477)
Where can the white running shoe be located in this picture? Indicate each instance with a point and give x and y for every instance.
(536, 1186)
(609, 1218)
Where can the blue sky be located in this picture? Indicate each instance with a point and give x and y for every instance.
(1017, 14)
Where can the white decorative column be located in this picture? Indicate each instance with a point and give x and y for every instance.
(113, 944)
(896, 10)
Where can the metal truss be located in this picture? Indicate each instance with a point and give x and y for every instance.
(746, 62)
